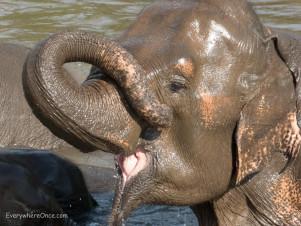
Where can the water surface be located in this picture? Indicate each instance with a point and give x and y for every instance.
(27, 21)
(144, 216)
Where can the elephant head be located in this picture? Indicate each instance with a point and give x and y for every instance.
(197, 98)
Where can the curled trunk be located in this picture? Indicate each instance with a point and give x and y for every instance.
(95, 112)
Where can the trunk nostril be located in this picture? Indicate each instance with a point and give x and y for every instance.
(150, 134)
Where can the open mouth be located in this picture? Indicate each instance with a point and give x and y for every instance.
(131, 165)
(132, 171)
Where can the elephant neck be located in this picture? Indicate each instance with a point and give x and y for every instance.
(269, 198)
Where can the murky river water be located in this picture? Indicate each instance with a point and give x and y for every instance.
(27, 21)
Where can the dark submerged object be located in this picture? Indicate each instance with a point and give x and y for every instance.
(34, 181)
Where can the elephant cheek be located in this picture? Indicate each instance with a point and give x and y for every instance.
(218, 110)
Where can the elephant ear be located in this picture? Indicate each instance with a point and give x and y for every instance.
(288, 45)
(267, 122)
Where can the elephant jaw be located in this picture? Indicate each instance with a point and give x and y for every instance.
(131, 165)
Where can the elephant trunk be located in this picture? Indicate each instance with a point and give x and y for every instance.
(94, 112)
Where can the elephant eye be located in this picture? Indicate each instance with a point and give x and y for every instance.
(177, 83)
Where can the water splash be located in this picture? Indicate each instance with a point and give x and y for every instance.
(123, 222)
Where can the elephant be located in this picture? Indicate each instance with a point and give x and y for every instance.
(40, 182)
(21, 127)
(197, 99)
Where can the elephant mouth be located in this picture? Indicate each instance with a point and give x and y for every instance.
(135, 171)
(129, 166)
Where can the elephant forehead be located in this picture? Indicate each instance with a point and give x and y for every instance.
(167, 31)
(210, 33)
(161, 31)
(162, 16)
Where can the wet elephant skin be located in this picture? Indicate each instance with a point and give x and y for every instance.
(226, 141)
(35, 181)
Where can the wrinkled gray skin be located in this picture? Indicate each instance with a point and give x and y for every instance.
(197, 98)
(21, 127)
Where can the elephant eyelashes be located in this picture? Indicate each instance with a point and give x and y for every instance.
(177, 83)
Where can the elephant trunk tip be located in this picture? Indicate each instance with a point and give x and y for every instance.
(152, 110)
(163, 118)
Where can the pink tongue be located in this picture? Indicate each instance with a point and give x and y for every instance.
(132, 165)
(129, 164)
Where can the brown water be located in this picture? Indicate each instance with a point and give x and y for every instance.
(27, 21)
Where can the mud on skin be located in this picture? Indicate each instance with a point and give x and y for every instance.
(197, 99)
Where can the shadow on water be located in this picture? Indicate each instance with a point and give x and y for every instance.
(28, 21)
